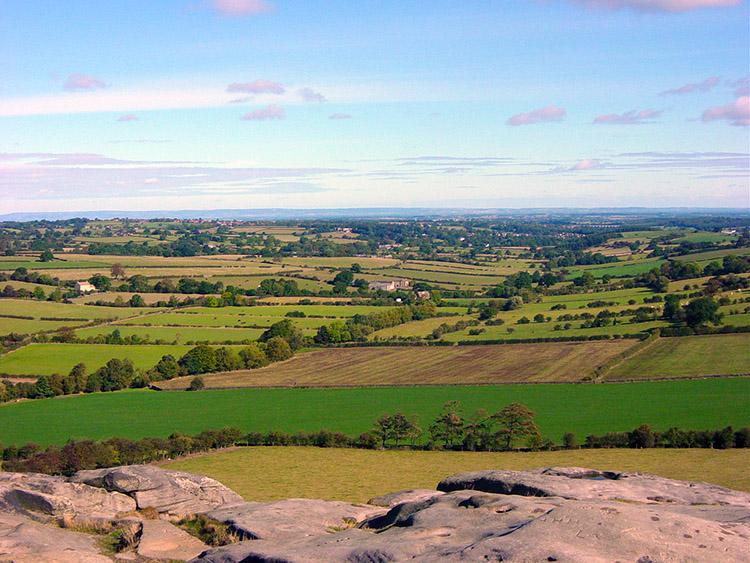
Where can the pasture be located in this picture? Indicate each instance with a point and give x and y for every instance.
(266, 474)
(45, 359)
(582, 409)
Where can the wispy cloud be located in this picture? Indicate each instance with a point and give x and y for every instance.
(632, 117)
(737, 112)
(80, 81)
(128, 117)
(310, 95)
(585, 164)
(339, 116)
(268, 113)
(260, 86)
(239, 8)
(741, 86)
(670, 6)
(545, 114)
(689, 88)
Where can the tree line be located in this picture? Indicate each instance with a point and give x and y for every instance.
(510, 428)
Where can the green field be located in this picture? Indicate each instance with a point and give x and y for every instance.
(46, 359)
(688, 356)
(179, 333)
(47, 309)
(582, 409)
(266, 474)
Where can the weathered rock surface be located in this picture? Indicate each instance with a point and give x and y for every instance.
(174, 492)
(292, 518)
(553, 514)
(162, 540)
(25, 541)
(533, 516)
(392, 499)
(580, 484)
(34, 494)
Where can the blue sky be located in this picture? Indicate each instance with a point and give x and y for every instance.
(204, 104)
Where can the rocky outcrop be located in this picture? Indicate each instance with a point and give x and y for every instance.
(173, 492)
(554, 514)
(292, 518)
(37, 495)
(588, 484)
(23, 540)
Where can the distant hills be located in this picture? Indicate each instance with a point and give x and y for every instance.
(281, 214)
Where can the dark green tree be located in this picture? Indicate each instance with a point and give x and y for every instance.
(516, 421)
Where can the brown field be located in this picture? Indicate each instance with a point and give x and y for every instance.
(433, 365)
(267, 473)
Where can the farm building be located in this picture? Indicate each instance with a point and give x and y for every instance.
(391, 285)
(84, 287)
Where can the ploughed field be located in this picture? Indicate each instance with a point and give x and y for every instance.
(582, 409)
(424, 365)
(306, 472)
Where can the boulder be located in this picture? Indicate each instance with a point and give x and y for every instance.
(34, 494)
(292, 518)
(23, 540)
(174, 492)
(162, 540)
(578, 483)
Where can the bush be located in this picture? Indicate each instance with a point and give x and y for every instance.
(196, 384)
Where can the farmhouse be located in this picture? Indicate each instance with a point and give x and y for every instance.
(391, 285)
(84, 287)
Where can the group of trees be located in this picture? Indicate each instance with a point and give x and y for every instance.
(506, 429)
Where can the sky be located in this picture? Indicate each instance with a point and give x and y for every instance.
(252, 104)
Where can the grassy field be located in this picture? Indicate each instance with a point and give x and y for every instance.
(267, 474)
(690, 355)
(47, 309)
(181, 334)
(582, 409)
(46, 359)
(420, 365)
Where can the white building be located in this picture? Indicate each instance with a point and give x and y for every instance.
(84, 287)
(392, 285)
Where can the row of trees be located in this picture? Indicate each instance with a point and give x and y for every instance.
(514, 422)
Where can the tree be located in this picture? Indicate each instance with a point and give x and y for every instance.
(516, 421)
(46, 256)
(253, 356)
(100, 282)
(201, 359)
(702, 310)
(117, 271)
(569, 440)
(671, 306)
(404, 427)
(278, 349)
(227, 360)
(383, 429)
(196, 384)
(449, 425)
(136, 301)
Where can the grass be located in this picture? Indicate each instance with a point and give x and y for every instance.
(688, 356)
(268, 474)
(178, 333)
(46, 359)
(26, 326)
(558, 361)
(39, 309)
(582, 409)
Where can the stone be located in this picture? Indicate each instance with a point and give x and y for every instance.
(174, 492)
(23, 540)
(292, 518)
(580, 484)
(33, 494)
(552, 514)
(162, 540)
(392, 499)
